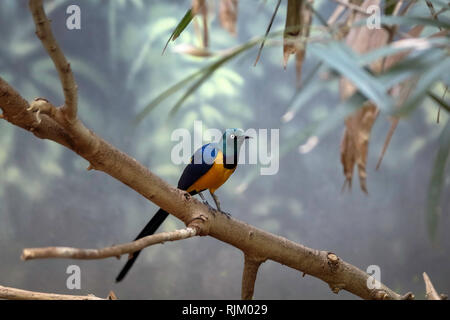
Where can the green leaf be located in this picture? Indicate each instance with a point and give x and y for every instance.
(209, 70)
(204, 72)
(342, 59)
(439, 100)
(411, 67)
(303, 94)
(411, 21)
(418, 45)
(427, 79)
(437, 181)
(190, 91)
(318, 128)
(180, 27)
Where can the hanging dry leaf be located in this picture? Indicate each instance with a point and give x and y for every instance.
(358, 126)
(298, 23)
(228, 12)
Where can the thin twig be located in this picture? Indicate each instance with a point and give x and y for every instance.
(432, 11)
(431, 292)
(19, 294)
(397, 8)
(108, 252)
(44, 33)
(267, 32)
(387, 141)
(336, 14)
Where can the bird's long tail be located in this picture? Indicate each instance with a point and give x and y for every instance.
(149, 229)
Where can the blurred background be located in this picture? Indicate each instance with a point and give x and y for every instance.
(47, 198)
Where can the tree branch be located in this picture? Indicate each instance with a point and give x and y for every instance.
(18, 294)
(44, 33)
(431, 293)
(108, 252)
(251, 266)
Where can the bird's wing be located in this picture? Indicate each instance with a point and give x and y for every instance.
(201, 162)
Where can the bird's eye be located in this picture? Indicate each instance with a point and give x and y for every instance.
(232, 136)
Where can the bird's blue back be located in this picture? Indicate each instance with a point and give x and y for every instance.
(201, 161)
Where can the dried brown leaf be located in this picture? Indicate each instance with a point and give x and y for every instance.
(292, 30)
(348, 156)
(355, 143)
(228, 12)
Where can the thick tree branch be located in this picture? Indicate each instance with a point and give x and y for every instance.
(251, 266)
(102, 156)
(108, 252)
(44, 33)
(18, 294)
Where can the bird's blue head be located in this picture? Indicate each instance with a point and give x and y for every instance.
(232, 140)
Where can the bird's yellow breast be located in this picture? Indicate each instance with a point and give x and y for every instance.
(214, 178)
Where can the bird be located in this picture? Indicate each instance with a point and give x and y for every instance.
(209, 168)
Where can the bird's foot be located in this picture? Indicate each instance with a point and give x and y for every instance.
(225, 213)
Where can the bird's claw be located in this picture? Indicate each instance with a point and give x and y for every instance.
(225, 213)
